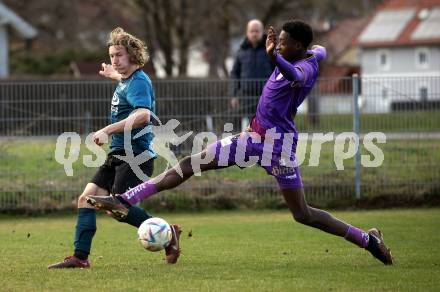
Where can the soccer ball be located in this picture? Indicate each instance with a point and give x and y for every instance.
(154, 234)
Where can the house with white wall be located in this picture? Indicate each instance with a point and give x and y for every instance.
(9, 19)
(400, 54)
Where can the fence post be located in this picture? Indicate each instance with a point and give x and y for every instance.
(356, 129)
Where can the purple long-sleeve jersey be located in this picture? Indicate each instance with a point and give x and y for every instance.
(286, 89)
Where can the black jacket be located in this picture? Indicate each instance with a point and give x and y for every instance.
(251, 63)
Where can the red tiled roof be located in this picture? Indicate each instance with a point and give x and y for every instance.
(404, 38)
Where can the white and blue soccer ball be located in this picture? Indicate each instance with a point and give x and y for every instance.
(154, 234)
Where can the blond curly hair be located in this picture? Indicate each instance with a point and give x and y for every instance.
(136, 48)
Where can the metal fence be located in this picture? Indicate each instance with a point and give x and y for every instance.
(407, 110)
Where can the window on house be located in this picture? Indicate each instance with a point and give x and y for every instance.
(384, 59)
(422, 57)
(423, 92)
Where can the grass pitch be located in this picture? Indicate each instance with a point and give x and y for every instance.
(228, 251)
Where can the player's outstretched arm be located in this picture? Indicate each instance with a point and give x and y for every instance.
(293, 73)
(108, 71)
(290, 72)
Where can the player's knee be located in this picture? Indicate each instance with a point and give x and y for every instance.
(303, 217)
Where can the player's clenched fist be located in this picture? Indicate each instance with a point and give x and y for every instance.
(100, 137)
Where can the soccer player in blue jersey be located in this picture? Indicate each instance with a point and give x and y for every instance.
(293, 78)
(133, 103)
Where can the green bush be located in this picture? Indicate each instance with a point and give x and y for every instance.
(49, 63)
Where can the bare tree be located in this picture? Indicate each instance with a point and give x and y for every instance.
(184, 34)
(159, 24)
(169, 26)
(216, 38)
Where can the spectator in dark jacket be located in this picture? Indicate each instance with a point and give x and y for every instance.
(251, 68)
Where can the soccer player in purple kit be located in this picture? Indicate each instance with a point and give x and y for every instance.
(291, 81)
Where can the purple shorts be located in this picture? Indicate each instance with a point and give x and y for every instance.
(246, 149)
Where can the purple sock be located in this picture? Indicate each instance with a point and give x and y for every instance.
(140, 192)
(357, 236)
